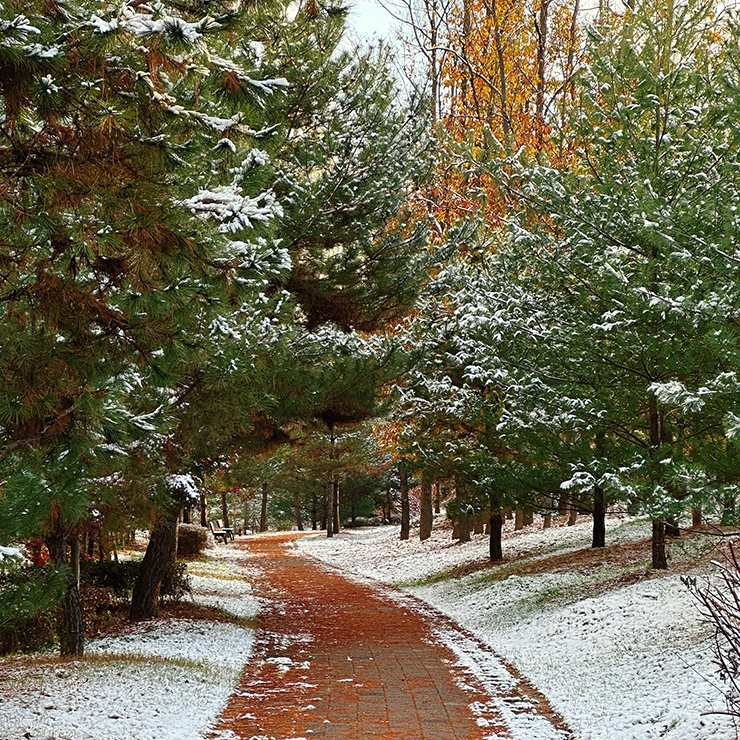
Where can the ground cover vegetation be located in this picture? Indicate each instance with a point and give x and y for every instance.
(242, 273)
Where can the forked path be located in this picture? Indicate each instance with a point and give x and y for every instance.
(339, 659)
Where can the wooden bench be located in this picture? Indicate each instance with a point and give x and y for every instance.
(229, 530)
(218, 532)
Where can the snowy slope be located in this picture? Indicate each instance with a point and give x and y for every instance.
(629, 664)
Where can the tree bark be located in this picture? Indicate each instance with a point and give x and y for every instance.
(263, 511)
(495, 549)
(598, 538)
(203, 510)
(405, 516)
(696, 518)
(335, 503)
(297, 510)
(161, 550)
(427, 517)
(329, 507)
(437, 497)
(518, 519)
(72, 627)
(660, 561)
(542, 28)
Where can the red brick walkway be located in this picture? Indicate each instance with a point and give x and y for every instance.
(336, 659)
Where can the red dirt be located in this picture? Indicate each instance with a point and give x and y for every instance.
(337, 659)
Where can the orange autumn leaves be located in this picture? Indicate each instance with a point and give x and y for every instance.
(506, 71)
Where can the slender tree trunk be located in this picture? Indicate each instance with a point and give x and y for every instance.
(462, 498)
(297, 510)
(314, 510)
(72, 627)
(541, 26)
(329, 507)
(263, 511)
(405, 516)
(203, 510)
(518, 519)
(599, 531)
(495, 549)
(161, 550)
(427, 518)
(503, 95)
(671, 527)
(696, 518)
(335, 503)
(437, 497)
(660, 561)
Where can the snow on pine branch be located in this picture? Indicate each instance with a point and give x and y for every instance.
(147, 24)
(17, 29)
(234, 210)
(675, 393)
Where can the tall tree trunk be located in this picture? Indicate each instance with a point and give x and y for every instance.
(405, 515)
(660, 561)
(314, 510)
(427, 518)
(495, 549)
(696, 518)
(335, 503)
(599, 531)
(263, 510)
(541, 26)
(72, 627)
(464, 524)
(503, 95)
(518, 519)
(160, 551)
(437, 497)
(203, 510)
(329, 507)
(297, 510)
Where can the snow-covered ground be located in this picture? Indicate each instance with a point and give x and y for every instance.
(167, 681)
(630, 664)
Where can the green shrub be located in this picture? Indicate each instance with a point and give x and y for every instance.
(28, 597)
(120, 576)
(175, 584)
(192, 539)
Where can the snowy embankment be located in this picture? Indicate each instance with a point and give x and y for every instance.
(167, 680)
(617, 663)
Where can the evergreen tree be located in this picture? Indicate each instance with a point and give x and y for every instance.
(620, 274)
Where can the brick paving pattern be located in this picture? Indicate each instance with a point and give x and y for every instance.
(336, 659)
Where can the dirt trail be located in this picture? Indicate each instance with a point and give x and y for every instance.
(338, 659)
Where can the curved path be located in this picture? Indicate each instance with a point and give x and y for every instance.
(338, 659)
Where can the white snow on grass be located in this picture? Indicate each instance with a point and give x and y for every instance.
(165, 680)
(633, 663)
(223, 584)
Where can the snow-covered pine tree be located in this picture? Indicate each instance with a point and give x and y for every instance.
(623, 269)
(113, 119)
